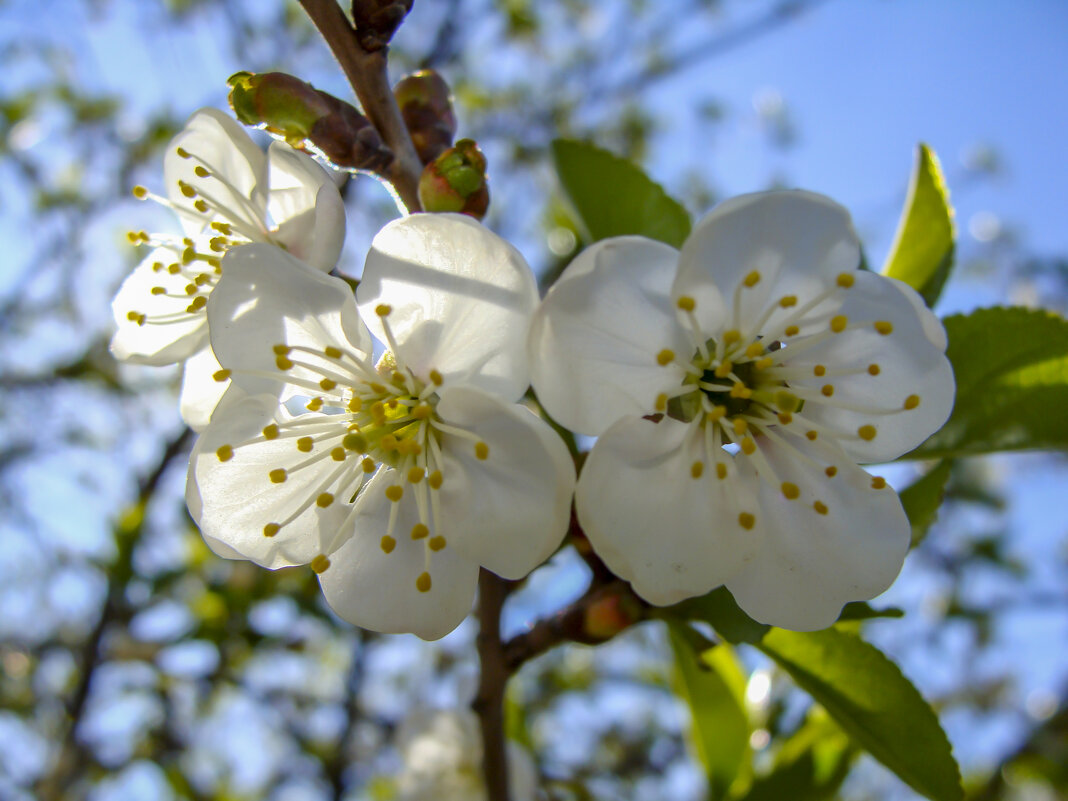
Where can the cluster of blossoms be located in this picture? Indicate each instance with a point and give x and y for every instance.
(733, 386)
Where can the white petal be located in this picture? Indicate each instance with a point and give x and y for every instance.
(377, 591)
(266, 298)
(910, 363)
(177, 335)
(595, 339)
(932, 326)
(232, 501)
(671, 535)
(807, 565)
(218, 143)
(306, 207)
(200, 391)
(510, 511)
(798, 242)
(461, 296)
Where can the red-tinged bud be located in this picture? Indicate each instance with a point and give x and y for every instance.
(609, 615)
(425, 102)
(377, 20)
(308, 119)
(456, 181)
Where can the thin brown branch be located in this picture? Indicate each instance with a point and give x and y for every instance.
(369, 77)
(489, 703)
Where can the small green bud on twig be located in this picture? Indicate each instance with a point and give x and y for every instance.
(456, 181)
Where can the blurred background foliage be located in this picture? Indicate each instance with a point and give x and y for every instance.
(137, 665)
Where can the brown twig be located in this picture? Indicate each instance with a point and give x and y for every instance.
(489, 703)
(367, 73)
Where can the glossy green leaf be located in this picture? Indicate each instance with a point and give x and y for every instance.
(612, 197)
(923, 497)
(1011, 367)
(922, 253)
(719, 610)
(867, 695)
(713, 685)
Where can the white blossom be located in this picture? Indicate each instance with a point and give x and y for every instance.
(395, 481)
(225, 192)
(734, 387)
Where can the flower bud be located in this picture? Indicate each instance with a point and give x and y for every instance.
(456, 181)
(308, 119)
(377, 20)
(425, 103)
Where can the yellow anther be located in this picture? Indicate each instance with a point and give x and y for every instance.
(271, 529)
(157, 266)
(186, 189)
(748, 446)
(338, 454)
(305, 444)
(387, 544)
(200, 205)
(136, 317)
(831, 471)
(395, 492)
(415, 475)
(912, 401)
(435, 378)
(140, 192)
(792, 331)
(314, 405)
(846, 280)
(731, 335)
(820, 507)
(740, 390)
(201, 279)
(878, 482)
(377, 388)
(724, 369)
(282, 350)
(191, 289)
(827, 390)
(436, 543)
(755, 349)
(223, 228)
(717, 414)
(661, 402)
(866, 432)
(422, 411)
(368, 465)
(410, 447)
(785, 418)
(283, 363)
(435, 479)
(270, 432)
(419, 531)
(752, 279)
(189, 255)
(791, 491)
(746, 520)
(884, 327)
(811, 435)
(225, 453)
(874, 369)
(392, 403)
(201, 171)
(331, 352)
(174, 268)
(787, 301)
(355, 442)
(721, 471)
(182, 153)
(383, 309)
(697, 469)
(665, 357)
(277, 476)
(324, 500)
(765, 363)
(423, 582)
(819, 370)
(198, 303)
(218, 244)
(221, 375)
(839, 323)
(328, 384)
(481, 450)
(686, 303)
(741, 425)
(786, 401)
(389, 442)
(320, 563)
(133, 237)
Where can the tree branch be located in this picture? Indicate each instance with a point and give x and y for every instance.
(489, 703)
(367, 73)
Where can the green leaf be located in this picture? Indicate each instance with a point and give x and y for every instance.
(719, 609)
(713, 685)
(862, 610)
(922, 253)
(1011, 367)
(923, 497)
(612, 197)
(873, 702)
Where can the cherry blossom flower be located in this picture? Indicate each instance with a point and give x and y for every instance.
(225, 192)
(734, 387)
(396, 480)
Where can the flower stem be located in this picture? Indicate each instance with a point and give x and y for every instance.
(489, 703)
(367, 73)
